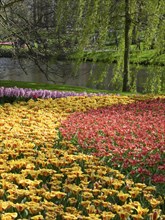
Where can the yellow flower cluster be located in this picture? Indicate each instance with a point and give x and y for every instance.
(43, 180)
(35, 122)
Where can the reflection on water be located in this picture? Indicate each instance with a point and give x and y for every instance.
(12, 69)
(26, 70)
(61, 72)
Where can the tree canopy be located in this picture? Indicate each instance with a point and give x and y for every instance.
(67, 26)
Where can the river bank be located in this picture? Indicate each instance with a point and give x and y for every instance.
(146, 57)
(87, 74)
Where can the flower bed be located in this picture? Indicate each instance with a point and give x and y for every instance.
(15, 94)
(131, 137)
(45, 177)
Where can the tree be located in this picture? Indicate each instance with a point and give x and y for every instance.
(36, 25)
(61, 27)
(126, 45)
(137, 21)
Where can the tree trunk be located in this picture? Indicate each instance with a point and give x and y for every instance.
(126, 47)
(34, 12)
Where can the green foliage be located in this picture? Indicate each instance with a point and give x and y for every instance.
(95, 30)
(98, 75)
(146, 23)
(155, 81)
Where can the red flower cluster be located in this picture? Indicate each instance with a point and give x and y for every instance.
(129, 137)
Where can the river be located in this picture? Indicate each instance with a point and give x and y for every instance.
(85, 74)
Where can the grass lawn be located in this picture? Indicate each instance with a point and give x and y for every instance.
(32, 85)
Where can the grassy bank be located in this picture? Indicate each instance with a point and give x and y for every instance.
(33, 85)
(108, 54)
(147, 57)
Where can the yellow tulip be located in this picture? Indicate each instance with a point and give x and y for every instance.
(87, 195)
(154, 202)
(91, 209)
(37, 217)
(107, 215)
(155, 214)
(69, 216)
(142, 211)
(123, 214)
(9, 216)
(85, 203)
(123, 196)
(137, 217)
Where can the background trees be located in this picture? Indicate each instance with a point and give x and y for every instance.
(136, 24)
(61, 27)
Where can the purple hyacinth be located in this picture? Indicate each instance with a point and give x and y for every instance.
(1, 91)
(29, 93)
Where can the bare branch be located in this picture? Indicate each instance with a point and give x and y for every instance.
(9, 4)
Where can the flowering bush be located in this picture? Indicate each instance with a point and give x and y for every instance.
(44, 177)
